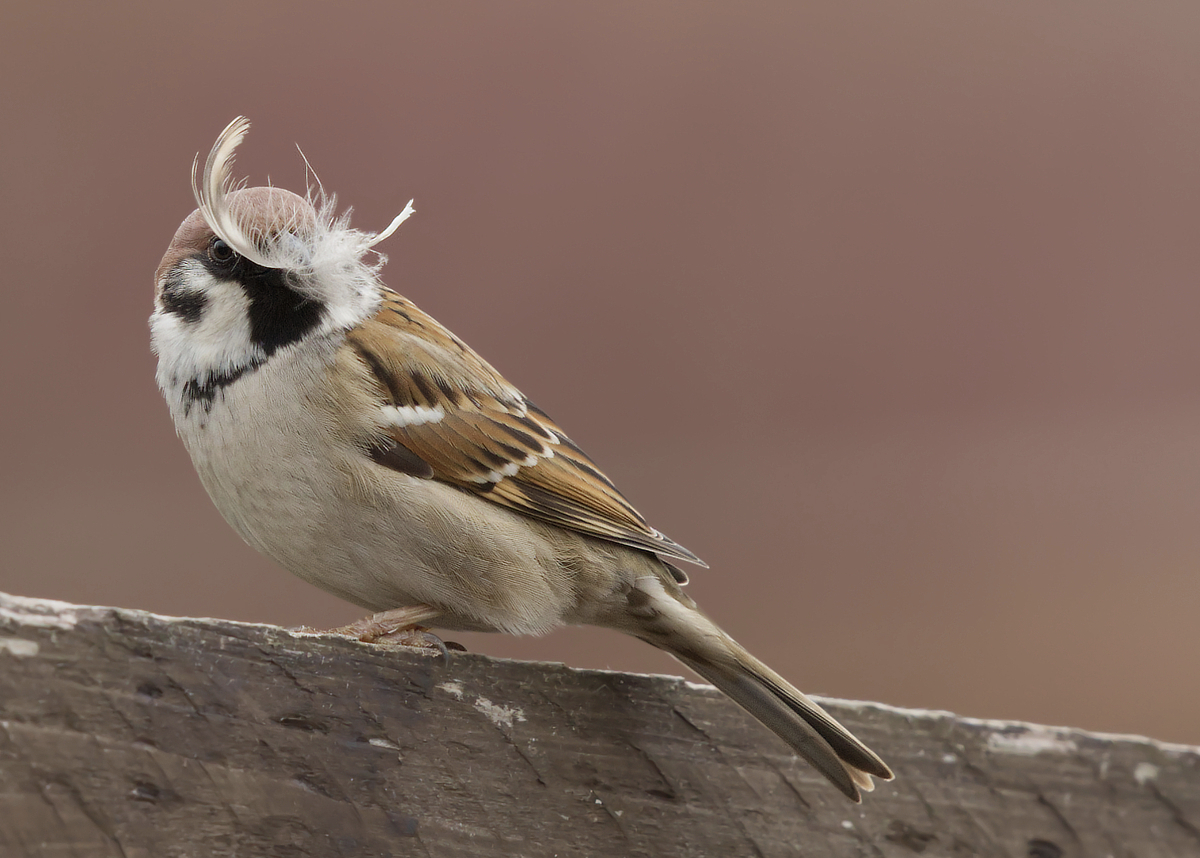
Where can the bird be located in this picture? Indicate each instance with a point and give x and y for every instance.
(361, 445)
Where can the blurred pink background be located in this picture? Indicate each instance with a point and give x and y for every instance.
(887, 310)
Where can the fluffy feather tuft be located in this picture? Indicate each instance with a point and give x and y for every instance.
(298, 238)
(304, 236)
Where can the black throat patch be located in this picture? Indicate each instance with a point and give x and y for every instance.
(279, 315)
(205, 392)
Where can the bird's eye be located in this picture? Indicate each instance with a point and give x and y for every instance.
(220, 251)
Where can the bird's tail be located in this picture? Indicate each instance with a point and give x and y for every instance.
(698, 642)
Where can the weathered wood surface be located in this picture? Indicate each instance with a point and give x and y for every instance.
(128, 734)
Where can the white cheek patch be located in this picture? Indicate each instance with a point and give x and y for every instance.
(223, 332)
(216, 342)
(412, 415)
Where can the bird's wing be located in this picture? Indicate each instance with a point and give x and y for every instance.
(449, 416)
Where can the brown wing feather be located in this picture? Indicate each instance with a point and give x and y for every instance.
(488, 438)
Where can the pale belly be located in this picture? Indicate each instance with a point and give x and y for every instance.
(294, 489)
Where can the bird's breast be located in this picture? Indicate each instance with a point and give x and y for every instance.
(279, 456)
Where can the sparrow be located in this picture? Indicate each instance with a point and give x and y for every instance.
(361, 445)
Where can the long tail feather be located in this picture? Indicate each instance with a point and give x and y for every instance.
(676, 626)
(831, 749)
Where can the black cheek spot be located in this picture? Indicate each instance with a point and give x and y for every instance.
(180, 301)
(188, 306)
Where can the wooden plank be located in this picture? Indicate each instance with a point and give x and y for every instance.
(127, 734)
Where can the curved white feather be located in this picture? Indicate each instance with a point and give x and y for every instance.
(302, 245)
(212, 191)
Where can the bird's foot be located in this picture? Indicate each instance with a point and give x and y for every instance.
(397, 627)
(417, 637)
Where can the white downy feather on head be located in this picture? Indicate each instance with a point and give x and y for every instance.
(277, 229)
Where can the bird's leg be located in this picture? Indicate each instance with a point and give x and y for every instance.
(399, 626)
(381, 626)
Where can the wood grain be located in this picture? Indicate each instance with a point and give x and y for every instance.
(128, 734)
